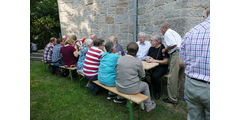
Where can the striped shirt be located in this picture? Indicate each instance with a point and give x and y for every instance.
(195, 51)
(47, 55)
(92, 62)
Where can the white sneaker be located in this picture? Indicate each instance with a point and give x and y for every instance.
(151, 107)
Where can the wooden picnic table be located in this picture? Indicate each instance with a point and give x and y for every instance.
(148, 66)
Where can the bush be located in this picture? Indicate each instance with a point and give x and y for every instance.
(44, 21)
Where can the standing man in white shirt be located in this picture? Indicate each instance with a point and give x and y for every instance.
(143, 46)
(176, 74)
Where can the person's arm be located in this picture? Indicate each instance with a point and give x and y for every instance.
(168, 48)
(141, 71)
(163, 62)
(181, 63)
(75, 52)
(182, 50)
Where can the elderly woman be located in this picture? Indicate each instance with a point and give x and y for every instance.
(69, 53)
(119, 49)
(128, 70)
(87, 44)
(155, 55)
(106, 71)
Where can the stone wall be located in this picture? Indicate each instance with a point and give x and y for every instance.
(181, 14)
(115, 17)
(102, 17)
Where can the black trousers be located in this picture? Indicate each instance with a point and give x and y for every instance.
(157, 74)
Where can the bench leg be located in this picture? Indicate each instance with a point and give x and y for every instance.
(71, 75)
(80, 79)
(139, 112)
(130, 110)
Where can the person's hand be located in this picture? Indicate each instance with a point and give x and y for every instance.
(148, 58)
(163, 50)
(151, 60)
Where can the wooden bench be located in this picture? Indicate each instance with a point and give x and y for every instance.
(70, 70)
(136, 98)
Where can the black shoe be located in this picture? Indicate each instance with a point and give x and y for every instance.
(109, 97)
(167, 100)
(119, 100)
(94, 91)
(157, 96)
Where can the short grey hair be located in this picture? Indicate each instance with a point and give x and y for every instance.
(109, 46)
(158, 38)
(165, 25)
(92, 35)
(141, 34)
(88, 42)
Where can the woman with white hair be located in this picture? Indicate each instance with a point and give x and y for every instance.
(155, 55)
(87, 44)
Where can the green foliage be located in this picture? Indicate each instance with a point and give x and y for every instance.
(57, 98)
(44, 21)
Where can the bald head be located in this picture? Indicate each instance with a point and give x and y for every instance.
(64, 38)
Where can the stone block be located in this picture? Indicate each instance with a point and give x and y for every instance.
(183, 4)
(122, 36)
(109, 20)
(202, 3)
(113, 3)
(121, 19)
(123, 28)
(141, 11)
(100, 19)
(111, 10)
(122, 3)
(158, 3)
(119, 11)
(192, 13)
(130, 29)
(88, 2)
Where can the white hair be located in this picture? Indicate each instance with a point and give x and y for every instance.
(88, 42)
(157, 37)
(92, 35)
(141, 34)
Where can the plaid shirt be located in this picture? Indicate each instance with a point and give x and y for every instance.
(47, 55)
(195, 51)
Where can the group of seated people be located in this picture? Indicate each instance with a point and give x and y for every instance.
(107, 62)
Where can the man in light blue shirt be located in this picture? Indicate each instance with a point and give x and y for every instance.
(143, 46)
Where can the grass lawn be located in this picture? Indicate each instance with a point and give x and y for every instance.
(57, 98)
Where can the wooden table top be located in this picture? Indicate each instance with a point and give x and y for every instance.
(148, 66)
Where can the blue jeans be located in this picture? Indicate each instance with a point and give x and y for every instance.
(93, 87)
(60, 63)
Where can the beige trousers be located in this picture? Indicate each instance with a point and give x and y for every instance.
(175, 77)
